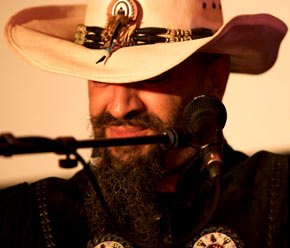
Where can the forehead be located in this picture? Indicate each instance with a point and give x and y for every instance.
(192, 68)
(197, 63)
(198, 60)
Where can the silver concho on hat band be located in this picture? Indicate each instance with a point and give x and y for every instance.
(127, 7)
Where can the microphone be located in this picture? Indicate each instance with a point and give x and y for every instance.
(204, 117)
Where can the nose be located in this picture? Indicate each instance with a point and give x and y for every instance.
(124, 100)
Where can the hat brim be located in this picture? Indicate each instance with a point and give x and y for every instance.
(43, 36)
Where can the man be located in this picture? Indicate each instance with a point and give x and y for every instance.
(145, 60)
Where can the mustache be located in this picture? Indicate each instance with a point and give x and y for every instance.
(144, 120)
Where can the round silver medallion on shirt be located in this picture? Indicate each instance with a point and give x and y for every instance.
(216, 237)
(109, 241)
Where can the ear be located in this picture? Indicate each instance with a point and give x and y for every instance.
(217, 76)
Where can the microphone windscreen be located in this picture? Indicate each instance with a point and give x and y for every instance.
(204, 109)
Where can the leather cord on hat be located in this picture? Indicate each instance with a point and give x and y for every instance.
(91, 37)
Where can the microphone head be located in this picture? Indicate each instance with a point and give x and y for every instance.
(204, 109)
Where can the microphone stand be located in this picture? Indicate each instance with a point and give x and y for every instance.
(204, 117)
(10, 145)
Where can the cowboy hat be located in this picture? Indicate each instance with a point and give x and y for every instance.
(168, 31)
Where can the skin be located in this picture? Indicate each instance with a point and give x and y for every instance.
(163, 96)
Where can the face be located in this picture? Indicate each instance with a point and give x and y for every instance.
(136, 173)
(147, 107)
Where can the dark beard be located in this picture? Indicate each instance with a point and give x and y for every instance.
(128, 186)
(129, 192)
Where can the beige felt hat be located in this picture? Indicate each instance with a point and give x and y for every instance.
(139, 39)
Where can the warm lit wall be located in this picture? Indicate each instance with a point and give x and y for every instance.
(33, 102)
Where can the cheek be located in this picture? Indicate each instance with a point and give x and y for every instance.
(165, 106)
(171, 105)
(96, 99)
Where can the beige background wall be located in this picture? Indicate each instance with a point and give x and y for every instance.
(33, 102)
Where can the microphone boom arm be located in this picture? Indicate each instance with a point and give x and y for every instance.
(10, 145)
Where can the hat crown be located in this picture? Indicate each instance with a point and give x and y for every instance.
(171, 14)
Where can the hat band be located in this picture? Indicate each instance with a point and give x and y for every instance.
(92, 37)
